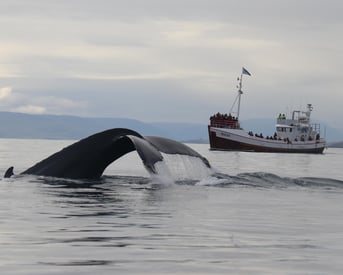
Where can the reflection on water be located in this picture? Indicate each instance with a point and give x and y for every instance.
(134, 225)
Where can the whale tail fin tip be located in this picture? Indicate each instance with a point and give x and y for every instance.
(9, 172)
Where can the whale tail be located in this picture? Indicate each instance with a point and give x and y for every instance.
(89, 157)
(9, 172)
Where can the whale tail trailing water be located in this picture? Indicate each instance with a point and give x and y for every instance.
(89, 157)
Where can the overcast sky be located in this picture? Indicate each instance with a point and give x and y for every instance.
(171, 60)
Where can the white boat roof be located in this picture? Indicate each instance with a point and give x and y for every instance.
(283, 125)
(303, 125)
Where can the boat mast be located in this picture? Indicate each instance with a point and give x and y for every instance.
(240, 92)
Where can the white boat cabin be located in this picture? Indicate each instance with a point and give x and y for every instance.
(298, 128)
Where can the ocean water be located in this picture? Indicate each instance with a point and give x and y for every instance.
(253, 213)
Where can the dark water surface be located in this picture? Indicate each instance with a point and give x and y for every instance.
(253, 214)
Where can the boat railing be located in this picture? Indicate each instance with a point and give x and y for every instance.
(224, 123)
(316, 127)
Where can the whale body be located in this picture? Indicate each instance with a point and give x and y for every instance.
(89, 157)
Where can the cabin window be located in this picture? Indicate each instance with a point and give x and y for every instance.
(282, 129)
(304, 130)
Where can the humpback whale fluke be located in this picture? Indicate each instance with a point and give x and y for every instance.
(89, 157)
(170, 146)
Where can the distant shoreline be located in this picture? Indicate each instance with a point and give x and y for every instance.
(64, 127)
(336, 144)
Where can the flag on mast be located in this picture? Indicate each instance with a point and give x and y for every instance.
(245, 71)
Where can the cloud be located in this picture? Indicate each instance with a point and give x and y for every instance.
(30, 109)
(25, 100)
(108, 57)
(60, 105)
(47, 104)
(5, 92)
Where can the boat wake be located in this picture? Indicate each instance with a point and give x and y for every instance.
(268, 180)
(180, 169)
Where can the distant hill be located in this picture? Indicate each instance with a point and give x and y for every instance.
(336, 144)
(183, 131)
(19, 125)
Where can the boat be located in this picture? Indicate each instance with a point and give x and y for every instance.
(294, 134)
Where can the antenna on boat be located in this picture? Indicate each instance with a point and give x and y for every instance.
(240, 92)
